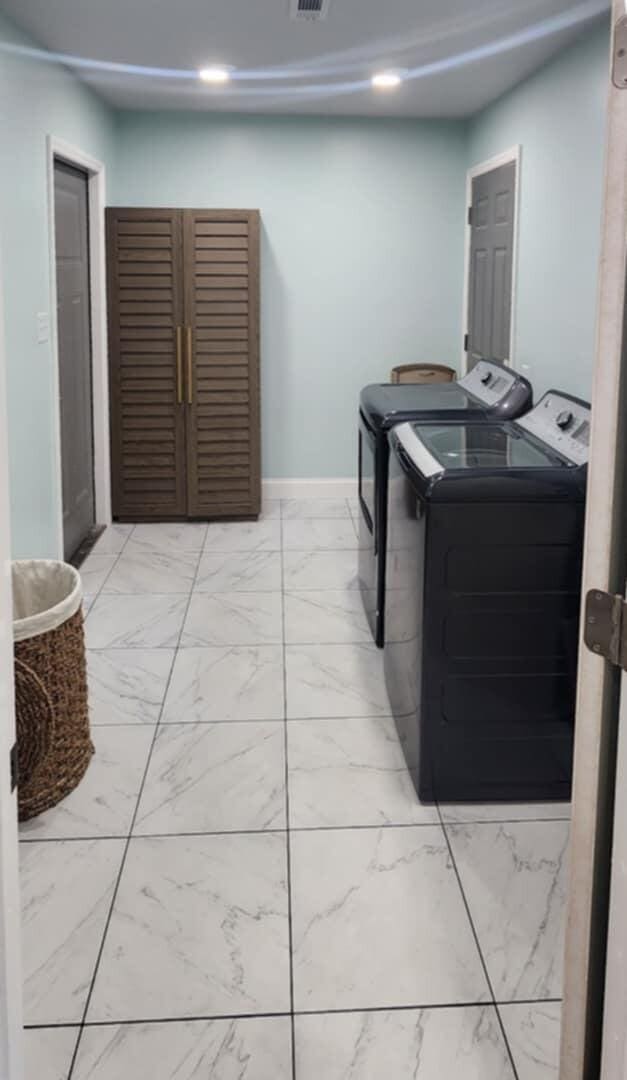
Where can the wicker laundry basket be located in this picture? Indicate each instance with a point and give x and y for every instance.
(54, 743)
(422, 373)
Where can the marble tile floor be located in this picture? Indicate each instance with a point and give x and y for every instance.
(244, 886)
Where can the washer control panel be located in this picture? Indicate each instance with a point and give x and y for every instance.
(561, 423)
(489, 382)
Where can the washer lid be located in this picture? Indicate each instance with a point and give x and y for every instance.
(481, 446)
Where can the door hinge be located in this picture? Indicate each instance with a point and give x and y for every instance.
(466, 343)
(470, 215)
(605, 629)
(619, 60)
(13, 765)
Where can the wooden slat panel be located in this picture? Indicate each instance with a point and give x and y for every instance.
(161, 364)
(152, 310)
(156, 346)
(222, 438)
(221, 461)
(130, 323)
(150, 268)
(222, 305)
(145, 265)
(133, 444)
(145, 333)
(221, 333)
(221, 281)
(223, 415)
(216, 322)
(218, 296)
(215, 354)
(206, 374)
(156, 424)
(133, 295)
(159, 389)
(220, 228)
(145, 281)
(213, 309)
(222, 256)
(145, 228)
(158, 483)
(138, 255)
(212, 296)
(225, 243)
(207, 387)
(224, 452)
(213, 486)
(148, 460)
(145, 242)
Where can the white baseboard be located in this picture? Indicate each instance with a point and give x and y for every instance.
(342, 488)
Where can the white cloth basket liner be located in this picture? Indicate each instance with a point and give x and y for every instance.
(46, 593)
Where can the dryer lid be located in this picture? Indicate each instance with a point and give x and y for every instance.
(385, 404)
(490, 389)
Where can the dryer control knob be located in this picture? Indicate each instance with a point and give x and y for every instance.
(564, 419)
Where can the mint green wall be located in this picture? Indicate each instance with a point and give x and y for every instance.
(36, 100)
(362, 245)
(558, 118)
(362, 253)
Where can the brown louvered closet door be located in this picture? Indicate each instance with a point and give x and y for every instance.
(184, 361)
(146, 294)
(222, 316)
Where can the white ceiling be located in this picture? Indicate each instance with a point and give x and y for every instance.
(282, 66)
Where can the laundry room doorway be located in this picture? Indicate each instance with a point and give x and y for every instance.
(490, 265)
(72, 252)
(76, 202)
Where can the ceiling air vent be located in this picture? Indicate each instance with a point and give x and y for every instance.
(311, 10)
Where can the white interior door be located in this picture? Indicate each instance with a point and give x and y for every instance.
(10, 928)
(599, 681)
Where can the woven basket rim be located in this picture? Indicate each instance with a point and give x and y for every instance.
(50, 619)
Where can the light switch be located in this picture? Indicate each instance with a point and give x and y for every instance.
(43, 327)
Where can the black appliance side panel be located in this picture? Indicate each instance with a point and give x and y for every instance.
(500, 650)
(372, 466)
(404, 600)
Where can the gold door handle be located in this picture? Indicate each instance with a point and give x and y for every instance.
(190, 388)
(179, 365)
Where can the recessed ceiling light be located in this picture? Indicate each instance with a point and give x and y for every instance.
(386, 80)
(215, 74)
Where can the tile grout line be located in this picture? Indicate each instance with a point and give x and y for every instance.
(287, 806)
(376, 827)
(84, 1023)
(117, 554)
(129, 837)
(477, 943)
(437, 1006)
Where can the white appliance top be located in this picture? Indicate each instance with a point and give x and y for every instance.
(561, 423)
(416, 450)
(489, 382)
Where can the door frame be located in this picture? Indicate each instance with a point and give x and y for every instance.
(96, 178)
(596, 717)
(507, 157)
(11, 1021)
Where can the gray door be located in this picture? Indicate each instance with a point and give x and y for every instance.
(74, 338)
(490, 267)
